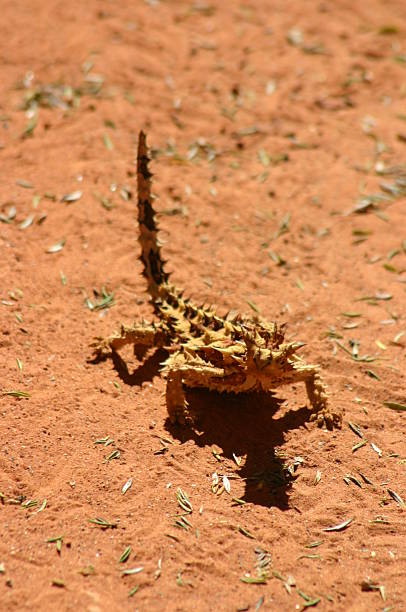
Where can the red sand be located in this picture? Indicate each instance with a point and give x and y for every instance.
(264, 116)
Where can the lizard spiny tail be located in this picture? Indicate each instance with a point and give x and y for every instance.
(153, 263)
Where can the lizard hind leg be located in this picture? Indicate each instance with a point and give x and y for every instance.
(175, 397)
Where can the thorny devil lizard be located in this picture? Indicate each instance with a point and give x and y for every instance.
(232, 354)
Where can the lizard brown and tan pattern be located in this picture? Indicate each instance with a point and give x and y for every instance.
(232, 354)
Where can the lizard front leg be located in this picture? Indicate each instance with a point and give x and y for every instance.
(186, 374)
(318, 396)
(141, 335)
(317, 393)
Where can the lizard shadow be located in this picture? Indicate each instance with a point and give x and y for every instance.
(144, 372)
(241, 425)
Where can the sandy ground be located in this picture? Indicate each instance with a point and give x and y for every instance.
(278, 134)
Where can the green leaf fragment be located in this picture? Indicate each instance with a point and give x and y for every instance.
(114, 455)
(397, 498)
(125, 555)
(58, 541)
(101, 522)
(264, 157)
(383, 295)
(106, 301)
(356, 429)
(132, 571)
(246, 533)
(392, 254)
(312, 602)
(25, 184)
(368, 585)
(126, 486)
(30, 127)
(42, 507)
(283, 226)
(30, 503)
(107, 142)
(388, 29)
(317, 477)
(27, 222)
(253, 306)
(53, 540)
(380, 520)
(359, 445)
(16, 393)
(183, 501)
(395, 406)
(396, 339)
(276, 258)
(350, 478)
(105, 441)
(58, 246)
(372, 374)
(340, 526)
(253, 579)
(365, 478)
(109, 123)
(72, 197)
(239, 502)
(314, 544)
(133, 591)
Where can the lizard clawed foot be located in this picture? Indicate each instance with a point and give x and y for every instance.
(101, 350)
(328, 419)
(180, 414)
